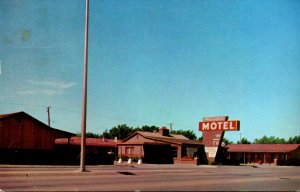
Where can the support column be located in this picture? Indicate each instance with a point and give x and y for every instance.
(179, 150)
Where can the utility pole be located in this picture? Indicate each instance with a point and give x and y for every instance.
(240, 138)
(48, 111)
(171, 127)
(84, 96)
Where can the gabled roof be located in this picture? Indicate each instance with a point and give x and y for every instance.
(99, 142)
(260, 148)
(9, 115)
(172, 139)
(3, 116)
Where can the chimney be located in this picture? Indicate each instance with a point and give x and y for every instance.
(164, 131)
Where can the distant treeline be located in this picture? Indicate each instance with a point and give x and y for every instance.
(277, 140)
(122, 131)
(268, 140)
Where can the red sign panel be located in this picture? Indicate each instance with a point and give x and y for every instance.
(219, 126)
(216, 118)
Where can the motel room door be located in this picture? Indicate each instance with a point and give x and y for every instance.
(158, 154)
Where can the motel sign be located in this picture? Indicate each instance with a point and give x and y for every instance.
(219, 126)
(213, 129)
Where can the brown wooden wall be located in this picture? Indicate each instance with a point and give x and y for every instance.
(21, 131)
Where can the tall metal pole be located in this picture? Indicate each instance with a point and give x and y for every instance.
(84, 97)
(240, 138)
(49, 121)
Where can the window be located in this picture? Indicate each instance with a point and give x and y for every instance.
(192, 152)
(129, 151)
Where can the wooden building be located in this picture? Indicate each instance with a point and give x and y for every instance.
(24, 139)
(161, 148)
(278, 154)
(98, 150)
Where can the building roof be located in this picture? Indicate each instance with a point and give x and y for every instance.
(9, 115)
(98, 142)
(158, 135)
(3, 116)
(260, 148)
(172, 138)
(179, 136)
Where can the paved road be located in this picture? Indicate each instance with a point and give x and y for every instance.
(150, 178)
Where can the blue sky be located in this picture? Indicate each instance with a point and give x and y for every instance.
(154, 63)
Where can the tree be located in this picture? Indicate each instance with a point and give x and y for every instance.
(294, 140)
(187, 133)
(200, 139)
(147, 128)
(89, 134)
(244, 141)
(262, 140)
(107, 134)
(121, 132)
(269, 140)
(227, 141)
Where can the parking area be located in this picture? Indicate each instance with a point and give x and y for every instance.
(147, 177)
